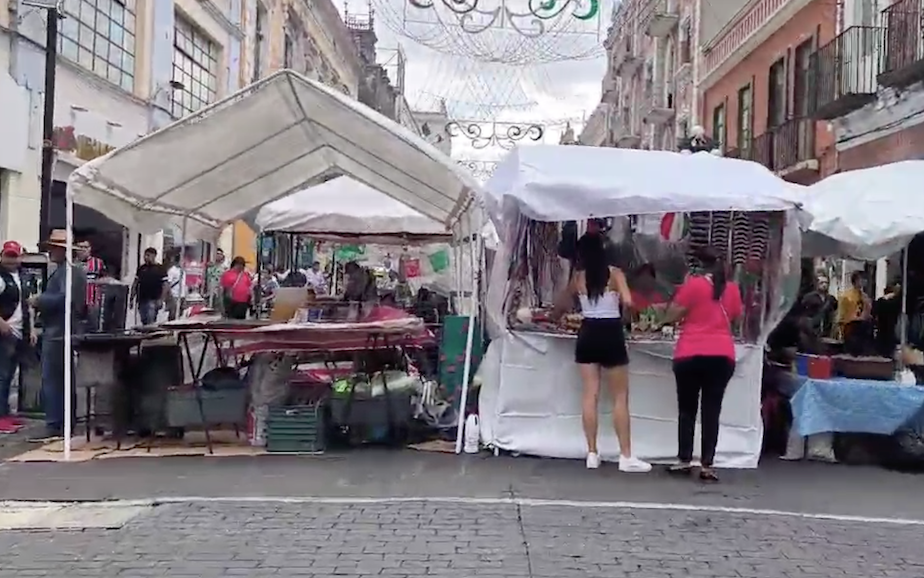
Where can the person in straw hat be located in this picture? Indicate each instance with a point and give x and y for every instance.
(50, 307)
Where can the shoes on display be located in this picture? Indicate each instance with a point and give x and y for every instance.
(633, 465)
(593, 461)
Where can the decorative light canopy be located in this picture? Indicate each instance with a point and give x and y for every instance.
(481, 170)
(503, 134)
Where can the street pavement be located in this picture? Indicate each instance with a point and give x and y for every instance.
(452, 539)
(413, 514)
(776, 485)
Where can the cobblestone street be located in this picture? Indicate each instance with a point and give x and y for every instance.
(455, 539)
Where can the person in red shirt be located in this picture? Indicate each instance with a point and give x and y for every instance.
(704, 357)
(236, 285)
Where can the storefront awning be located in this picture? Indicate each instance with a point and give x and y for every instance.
(276, 137)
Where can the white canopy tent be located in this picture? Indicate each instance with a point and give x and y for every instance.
(866, 214)
(263, 143)
(344, 208)
(273, 138)
(562, 183)
(525, 403)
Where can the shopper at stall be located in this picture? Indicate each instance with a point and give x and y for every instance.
(92, 266)
(820, 307)
(853, 316)
(50, 306)
(600, 351)
(213, 274)
(886, 313)
(704, 358)
(150, 288)
(237, 284)
(316, 279)
(15, 327)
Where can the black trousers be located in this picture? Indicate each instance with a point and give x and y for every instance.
(237, 310)
(700, 378)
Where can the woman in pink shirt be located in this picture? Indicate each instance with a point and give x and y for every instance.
(704, 358)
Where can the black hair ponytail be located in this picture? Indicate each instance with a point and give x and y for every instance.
(714, 265)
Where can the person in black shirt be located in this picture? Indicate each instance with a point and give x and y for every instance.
(150, 287)
(887, 312)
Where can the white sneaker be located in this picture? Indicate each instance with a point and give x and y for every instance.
(593, 461)
(632, 465)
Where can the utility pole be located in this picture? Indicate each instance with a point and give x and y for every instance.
(53, 13)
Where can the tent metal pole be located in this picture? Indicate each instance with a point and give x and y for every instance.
(68, 324)
(904, 297)
(469, 339)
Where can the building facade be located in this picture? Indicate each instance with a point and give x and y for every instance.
(648, 97)
(874, 87)
(758, 86)
(125, 68)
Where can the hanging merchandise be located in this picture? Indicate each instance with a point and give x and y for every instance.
(439, 261)
(347, 253)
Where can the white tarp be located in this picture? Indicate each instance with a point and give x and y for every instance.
(866, 214)
(271, 139)
(562, 183)
(344, 207)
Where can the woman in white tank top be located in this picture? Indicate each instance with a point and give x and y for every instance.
(600, 350)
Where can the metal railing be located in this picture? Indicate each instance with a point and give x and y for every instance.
(761, 150)
(904, 36)
(793, 142)
(841, 76)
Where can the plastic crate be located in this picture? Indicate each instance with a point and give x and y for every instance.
(297, 429)
(224, 406)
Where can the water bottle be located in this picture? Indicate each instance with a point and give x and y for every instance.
(472, 434)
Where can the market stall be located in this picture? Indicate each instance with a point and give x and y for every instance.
(271, 139)
(868, 215)
(659, 203)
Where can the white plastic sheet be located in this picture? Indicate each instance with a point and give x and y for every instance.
(866, 214)
(344, 207)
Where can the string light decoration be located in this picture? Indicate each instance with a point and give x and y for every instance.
(698, 142)
(506, 31)
(505, 135)
(481, 170)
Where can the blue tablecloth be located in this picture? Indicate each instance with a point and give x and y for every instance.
(855, 406)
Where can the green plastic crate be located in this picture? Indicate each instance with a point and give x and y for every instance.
(297, 429)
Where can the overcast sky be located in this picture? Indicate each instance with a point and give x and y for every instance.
(532, 91)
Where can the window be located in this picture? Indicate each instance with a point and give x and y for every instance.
(686, 43)
(776, 97)
(802, 89)
(195, 64)
(719, 126)
(745, 118)
(99, 35)
(260, 42)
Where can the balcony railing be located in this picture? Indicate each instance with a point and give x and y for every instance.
(794, 145)
(903, 57)
(761, 150)
(841, 76)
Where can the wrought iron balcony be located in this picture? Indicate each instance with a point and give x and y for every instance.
(760, 150)
(844, 72)
(663, 18)
(903, 54)
(793, 148)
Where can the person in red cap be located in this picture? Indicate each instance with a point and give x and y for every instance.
(15, 326)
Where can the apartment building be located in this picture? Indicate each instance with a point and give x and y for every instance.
(871, 83)
(125, 68)
(758, 84)
(648, 97)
